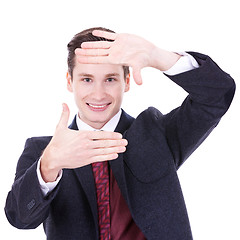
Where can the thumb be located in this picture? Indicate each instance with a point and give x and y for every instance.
(63, 122)
(137, 75)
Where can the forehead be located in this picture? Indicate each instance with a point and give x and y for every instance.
(99, 69)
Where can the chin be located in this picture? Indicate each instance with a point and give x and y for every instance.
(98, 117)
(100, 121)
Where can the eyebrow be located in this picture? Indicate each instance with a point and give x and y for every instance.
(113, 75)
(91, 76)
(85, 75)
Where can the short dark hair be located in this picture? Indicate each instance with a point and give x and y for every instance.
(86, 36)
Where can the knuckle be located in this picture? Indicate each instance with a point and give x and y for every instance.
(87, 144)
(121, 142)
(121, 149)
(105, 143)
(83, 134)
(104, 151)
(113, 156)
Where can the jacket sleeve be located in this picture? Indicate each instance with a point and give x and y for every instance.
(211, 91)
(26, 207)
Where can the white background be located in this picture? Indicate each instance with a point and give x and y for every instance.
(33, 40)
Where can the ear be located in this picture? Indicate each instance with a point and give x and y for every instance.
(127, 83)
(69, 82)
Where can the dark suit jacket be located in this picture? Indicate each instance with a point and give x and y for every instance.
(146, 172)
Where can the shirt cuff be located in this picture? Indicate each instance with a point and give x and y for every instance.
(184, 64)
(49, 186)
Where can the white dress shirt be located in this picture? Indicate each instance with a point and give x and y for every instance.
(184, 64)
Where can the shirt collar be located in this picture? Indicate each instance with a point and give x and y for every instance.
(109, 126)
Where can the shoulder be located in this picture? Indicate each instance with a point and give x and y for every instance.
(149, 123)
(38, 143)
(147, 118)
(146, 140)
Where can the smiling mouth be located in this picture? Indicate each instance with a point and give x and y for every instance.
(97, 107)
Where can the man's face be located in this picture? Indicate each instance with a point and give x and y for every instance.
(98, 91)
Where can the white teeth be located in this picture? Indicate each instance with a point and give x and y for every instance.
(94, 106)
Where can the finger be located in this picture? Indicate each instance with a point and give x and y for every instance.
(104, 34)
(97, 135)
(93, 60)
(109, 143)
(96, 44)
(102, 158)
(63, 122)
(91, 52)
(137, 76)
(106, 151)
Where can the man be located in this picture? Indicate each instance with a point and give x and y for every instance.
(111, 176)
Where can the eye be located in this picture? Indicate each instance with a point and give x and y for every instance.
(111, 79)
(86, 80)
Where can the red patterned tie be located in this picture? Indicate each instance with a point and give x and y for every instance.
(101, 176)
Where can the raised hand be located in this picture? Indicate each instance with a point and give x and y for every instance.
(72, 149)
(125, 49)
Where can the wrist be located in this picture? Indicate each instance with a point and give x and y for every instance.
(48, 168)
(163, 60)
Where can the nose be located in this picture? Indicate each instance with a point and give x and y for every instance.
(98, 92)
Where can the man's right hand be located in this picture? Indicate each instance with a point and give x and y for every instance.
(73, 149)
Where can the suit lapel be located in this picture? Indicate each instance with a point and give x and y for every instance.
(85, 177)
(117, 165)
(85, 174)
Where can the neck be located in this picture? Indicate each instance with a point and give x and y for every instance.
(106, 126)
(96, 125)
